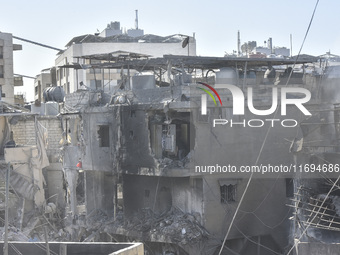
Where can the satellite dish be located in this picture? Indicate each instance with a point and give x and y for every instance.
(185, 42)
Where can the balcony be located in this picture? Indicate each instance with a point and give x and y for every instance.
(18, 81)
(17, 47)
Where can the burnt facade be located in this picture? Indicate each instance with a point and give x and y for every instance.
(143, 153)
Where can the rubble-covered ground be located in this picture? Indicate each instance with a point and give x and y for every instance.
(173, 226)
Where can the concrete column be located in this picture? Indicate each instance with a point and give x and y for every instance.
(72, 179)
(115, 197)
(62, 249)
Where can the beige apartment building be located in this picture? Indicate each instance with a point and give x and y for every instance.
(7, 79)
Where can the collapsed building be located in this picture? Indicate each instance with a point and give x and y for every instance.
(315, 202)
(137, 150)
(21, 167)
(138, 163)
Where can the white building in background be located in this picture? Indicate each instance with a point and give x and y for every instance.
(270, 50)
(7, 79)
(112, 39)
(283, 51)
(112, 29)
(42, 81)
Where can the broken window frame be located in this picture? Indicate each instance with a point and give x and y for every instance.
(171, 140)
(103, 138)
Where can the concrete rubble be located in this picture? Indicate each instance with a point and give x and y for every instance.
(173, 226)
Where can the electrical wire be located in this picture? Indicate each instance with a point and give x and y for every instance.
(15, 249)
(41, 246)
(316, 214)
(36, 43)
(259, 244)
(250, 212)
(243, 195)
(270, 227)
(266, 136)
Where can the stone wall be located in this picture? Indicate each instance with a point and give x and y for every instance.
(24, 134)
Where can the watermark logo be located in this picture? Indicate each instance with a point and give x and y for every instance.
(238, 101)
(204, 97)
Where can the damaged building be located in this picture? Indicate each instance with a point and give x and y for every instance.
(136, 152)
(142, 161)
(315, 202)
(22, 168)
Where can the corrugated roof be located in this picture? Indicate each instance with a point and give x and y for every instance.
(194, 62)
(149, 38)
(119, 55)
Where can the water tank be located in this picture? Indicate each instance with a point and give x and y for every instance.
(183, 78)
(143, 82)
(39, 109)
(226, 75)
(55, 94)
(51, 108)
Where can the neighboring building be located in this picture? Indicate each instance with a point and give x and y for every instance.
(24, 162)
(7, 80)
(252, 50)
(283, 51)
(316, 197)
(112, 40)
(19, 99)
(42, 81)
(136, 32)
(270, 50)
(112, 29)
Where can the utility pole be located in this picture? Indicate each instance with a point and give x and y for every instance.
(46, 241)
(238, 43)
(6, 209)
(291, 45)
(136, 20)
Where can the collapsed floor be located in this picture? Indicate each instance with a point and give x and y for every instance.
(171, 228)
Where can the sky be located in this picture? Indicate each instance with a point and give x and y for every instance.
(215, 24)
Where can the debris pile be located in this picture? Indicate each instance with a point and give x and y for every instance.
(166, 162)
(174, 226)
(14, 234)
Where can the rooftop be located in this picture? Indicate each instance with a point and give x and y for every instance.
(137, 62)
(149, 38)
